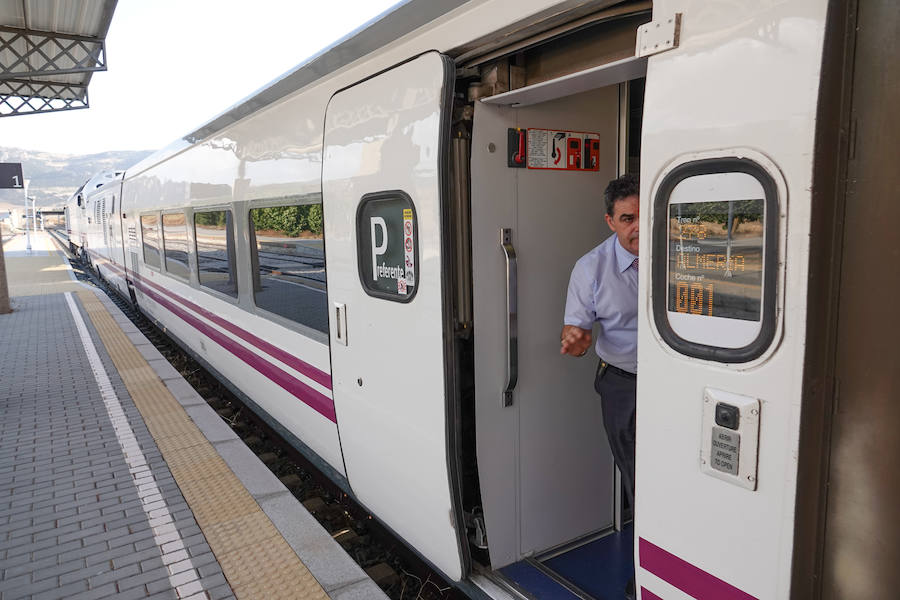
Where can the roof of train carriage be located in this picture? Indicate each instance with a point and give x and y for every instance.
(399, 20)
(48, 52)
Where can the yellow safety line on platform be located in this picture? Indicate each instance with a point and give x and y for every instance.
(255, 558)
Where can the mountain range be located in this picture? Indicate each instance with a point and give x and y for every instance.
(54, 177)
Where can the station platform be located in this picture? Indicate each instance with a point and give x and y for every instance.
(118, 480)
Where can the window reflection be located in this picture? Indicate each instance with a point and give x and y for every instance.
(175, 244)
(288, 262)
(216, 265)
(716, 258)
(150, 237)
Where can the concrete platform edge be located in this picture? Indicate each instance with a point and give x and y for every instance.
(332, 567)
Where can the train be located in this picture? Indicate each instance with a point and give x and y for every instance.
(373, 253)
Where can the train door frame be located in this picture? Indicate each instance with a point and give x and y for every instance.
(620, 78)
(847, 156)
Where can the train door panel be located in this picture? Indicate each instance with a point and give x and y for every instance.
(381, 188)
(544, 464)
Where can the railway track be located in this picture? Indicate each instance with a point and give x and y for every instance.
(396, 569)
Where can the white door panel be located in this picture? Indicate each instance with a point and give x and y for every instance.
(384, 135)
(544, 464)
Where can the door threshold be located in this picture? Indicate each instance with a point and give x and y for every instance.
(597, 567)
(508, 585)
(561, 580)
(573, 544)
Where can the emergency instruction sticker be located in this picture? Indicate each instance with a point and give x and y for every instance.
(563, 150)
(409, 251)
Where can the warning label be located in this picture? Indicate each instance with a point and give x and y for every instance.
(409, 258)
(563, 150)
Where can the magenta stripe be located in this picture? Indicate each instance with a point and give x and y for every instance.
(314, 399)
(292, 361)
(691, 580)
(648, 595)
(317, 375)
(319, 402)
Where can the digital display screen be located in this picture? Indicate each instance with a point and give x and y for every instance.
(715, 254)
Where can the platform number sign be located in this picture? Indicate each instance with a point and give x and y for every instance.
(11, 176)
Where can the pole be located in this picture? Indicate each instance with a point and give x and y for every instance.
(4, 288)
(27, 234)
(730, 224)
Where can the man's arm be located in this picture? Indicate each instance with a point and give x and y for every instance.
(574, 340)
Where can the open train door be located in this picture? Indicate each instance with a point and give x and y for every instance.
(382, 192)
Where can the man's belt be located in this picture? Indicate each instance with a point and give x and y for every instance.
(604, 366)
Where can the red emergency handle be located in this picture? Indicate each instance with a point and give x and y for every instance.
(520, 154)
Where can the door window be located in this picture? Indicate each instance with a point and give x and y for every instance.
(387, 245)
(714, 287)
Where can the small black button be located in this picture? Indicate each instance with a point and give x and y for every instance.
(727, 416)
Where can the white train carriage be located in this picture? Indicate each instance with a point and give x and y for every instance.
(93, 228)
(74, 218)
(448, 161)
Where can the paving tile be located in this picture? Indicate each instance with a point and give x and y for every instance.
(72, 513)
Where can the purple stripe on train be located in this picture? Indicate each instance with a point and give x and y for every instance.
(317, 375)
(314, 399)
(292, 361)
(691, 580)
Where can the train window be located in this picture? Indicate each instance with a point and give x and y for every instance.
(175, 244)
(288, 262)
(714, 287)
(216, 264)
(150, 237)
(387, 245)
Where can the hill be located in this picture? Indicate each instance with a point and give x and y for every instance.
(55, 176)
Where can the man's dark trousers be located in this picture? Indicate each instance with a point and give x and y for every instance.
(618, 395)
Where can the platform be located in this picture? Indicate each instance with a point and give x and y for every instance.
(118, 480)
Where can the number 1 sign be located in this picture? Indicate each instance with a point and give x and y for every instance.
(11, 176)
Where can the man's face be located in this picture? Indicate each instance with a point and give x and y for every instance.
(624, 222)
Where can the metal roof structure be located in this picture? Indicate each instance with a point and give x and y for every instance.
(49, 49)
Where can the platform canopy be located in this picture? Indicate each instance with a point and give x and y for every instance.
(48, 51)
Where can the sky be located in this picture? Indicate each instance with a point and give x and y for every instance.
(175, 64)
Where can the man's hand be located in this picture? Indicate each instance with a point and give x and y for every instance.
(574, 341)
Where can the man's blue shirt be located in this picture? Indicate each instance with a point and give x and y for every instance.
(604, 288)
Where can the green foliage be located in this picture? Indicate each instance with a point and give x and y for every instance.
(745, 211)
(289, 220)
(216, 218)
(316, 219)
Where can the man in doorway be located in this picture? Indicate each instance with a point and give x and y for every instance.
(603, 288)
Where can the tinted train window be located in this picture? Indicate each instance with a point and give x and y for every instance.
(150, 236)
(175, 244)
(214, 234)
(288, 261)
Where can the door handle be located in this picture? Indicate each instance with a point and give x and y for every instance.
(340, 323)
(512, 317)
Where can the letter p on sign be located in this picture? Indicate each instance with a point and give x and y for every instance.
(378, 249)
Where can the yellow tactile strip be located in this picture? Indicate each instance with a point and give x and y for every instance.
(255, 558)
